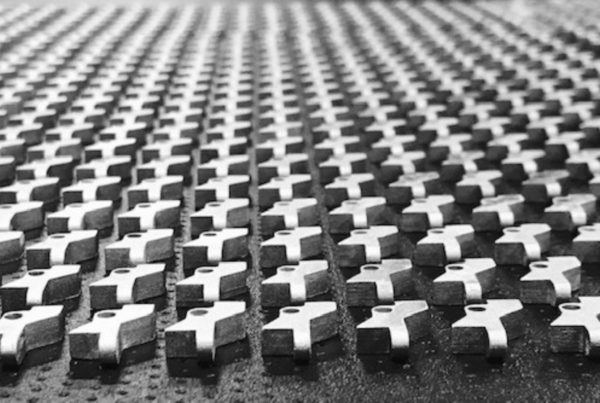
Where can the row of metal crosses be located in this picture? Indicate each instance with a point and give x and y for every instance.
(326, 135)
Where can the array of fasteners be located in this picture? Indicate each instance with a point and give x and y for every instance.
(111, 118)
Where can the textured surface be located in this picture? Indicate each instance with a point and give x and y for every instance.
(530, 371)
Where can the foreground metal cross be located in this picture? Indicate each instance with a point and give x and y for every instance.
(393, 328)
(577, 329)
(298, 328)
(487, 328)
(206, 329)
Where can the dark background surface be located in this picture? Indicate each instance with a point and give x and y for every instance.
(529, 373)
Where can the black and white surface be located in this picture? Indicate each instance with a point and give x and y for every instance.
(511, 86)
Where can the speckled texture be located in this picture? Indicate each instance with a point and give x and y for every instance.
(432, 373)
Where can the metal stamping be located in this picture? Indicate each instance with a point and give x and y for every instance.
(562, 147)
(440, 148)
(455, 166)
(230, 213)
(212, 247)
(284, 188)
(146, 216)
(298, 212)
(336, 146)
(577, 327)
(180, 130)
(155, 189)
(75, 247)
(586, 244)
(31, 133)
(368, 245)
(329, 114)
(172, 116)
(178, 165)
(519, 167)
(60, 148)
(284, 166)
(543, 186)
(498, 212)
(45, 190)
(87, 190)
(551, 281)
(273, 125)
(111, 148)
(509, 144)
(27, 216)
(546, 127)
(441, 246)
(392, 329)
(290, 246)
(431, 125)
(385, 129)
(113, 166)
(14, 149)
(223, 148)
(221, 167)
(224, 116)
(394, 145)
(7, 170)
(277, 148)
(472, 114)
(221, 189)
(379, 283)
(412, 186)
(295, 284)
(95, 117)
(93, 215)
(111, 332)
(166, 148)
(297, 328)
(585, 164)
(204, 330)
(25, 330)
(477, 185)
(353, 186)
(357, 213)
(569, 212)
(487, 328)
(342, 165)
(229, 130)
(280, 114)
(594, 186)
(208, 284)
(59, 284)
(464, 282)
(129, 285)
(430, 212)
(520, 245)
(155, 245)
(395, 165)
(375, 111)
(57, 167)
